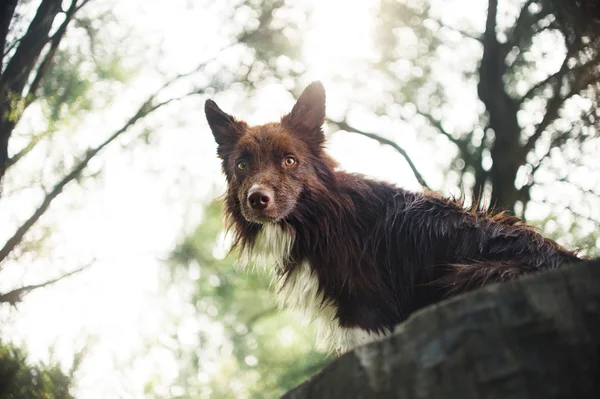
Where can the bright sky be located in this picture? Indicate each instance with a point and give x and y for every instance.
(148, 197)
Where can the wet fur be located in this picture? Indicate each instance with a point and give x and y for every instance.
(360, 255)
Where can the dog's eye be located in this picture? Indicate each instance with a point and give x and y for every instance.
(242, 165)
(289, 161)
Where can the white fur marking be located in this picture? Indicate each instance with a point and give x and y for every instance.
(272, 246)
(300, 291)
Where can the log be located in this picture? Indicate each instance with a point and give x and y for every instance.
(535, 337)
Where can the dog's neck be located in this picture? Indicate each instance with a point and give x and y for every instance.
(297, 287)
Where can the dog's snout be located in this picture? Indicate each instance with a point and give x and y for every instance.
(259, 198)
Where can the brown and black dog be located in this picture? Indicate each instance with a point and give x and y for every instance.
(354, 254)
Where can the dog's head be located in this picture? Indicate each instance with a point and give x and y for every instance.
(269, 166)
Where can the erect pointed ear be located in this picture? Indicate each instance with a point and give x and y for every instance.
(225, 128)
(309, 112)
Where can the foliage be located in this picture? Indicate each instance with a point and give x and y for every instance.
(536, 79)
(263, 351)
(426, 71)
(21, 380)
(77, 74)
(67, 65)
(571, 234)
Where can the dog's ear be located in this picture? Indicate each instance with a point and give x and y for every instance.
(308, 114)
(225, 128)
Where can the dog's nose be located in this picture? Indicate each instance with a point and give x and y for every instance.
(259, 199)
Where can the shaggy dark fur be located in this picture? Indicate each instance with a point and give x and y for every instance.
(380, 252)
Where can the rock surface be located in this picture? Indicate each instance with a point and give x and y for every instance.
(537, 337)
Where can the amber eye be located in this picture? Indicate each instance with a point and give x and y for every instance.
(242, 165)
(290, 161)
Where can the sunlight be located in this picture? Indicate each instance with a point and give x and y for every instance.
(339, 38)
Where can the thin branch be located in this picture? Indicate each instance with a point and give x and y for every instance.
(520, 56)
(578, 187)
(12, 46)
(588, 218)
(552, 108)
(553, 144)
(559, 139)
(39, 137)
(27, 149)
(80, 6)
(15, 296)
(462, 145)
(146, 108)
(438, 125)
(464, 33)
(524, 21)
(343, 125)
(557, 76)
(554, 105)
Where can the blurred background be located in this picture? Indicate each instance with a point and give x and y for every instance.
(114, 276)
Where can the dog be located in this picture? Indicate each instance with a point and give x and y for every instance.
(355, 255)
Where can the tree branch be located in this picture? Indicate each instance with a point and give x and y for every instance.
(554, 78)
(15, 296)
(27, 149)
(462, 146)
(18, 70)
(559, 140)
(574, 213)
(578, 187)
(556, 103)
(148, 107)
(54, 43)
(490, 22)
(80, 6)
(473, 160)
(39, 137)
(11, 47)
(464, 33)
(342, 125)
(8, 10)
(524, 21)
(23, 61)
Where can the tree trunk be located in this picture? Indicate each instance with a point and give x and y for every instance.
(17, 72)
(536, 337)
(502, 111)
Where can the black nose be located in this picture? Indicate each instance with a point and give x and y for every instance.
(259, 199)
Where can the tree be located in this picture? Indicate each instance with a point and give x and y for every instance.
(54, 59)
(529, 117)
(21, 380)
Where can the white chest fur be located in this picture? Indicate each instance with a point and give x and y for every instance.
(300, 291)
